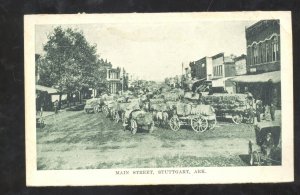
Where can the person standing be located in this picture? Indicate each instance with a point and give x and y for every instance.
(273, 103)
(56, 106)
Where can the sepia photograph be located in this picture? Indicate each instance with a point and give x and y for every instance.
(131, 99)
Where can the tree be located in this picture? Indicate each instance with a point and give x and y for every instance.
(70, 63)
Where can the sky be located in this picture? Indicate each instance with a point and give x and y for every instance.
(154, 51)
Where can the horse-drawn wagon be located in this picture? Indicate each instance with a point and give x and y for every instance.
(160, 111)
(135, 119)
(92, 105)
(199, 117)
(237, 107)
(123, 106)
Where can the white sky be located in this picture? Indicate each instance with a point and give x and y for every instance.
(154, 51)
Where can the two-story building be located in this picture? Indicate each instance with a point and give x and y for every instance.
(263, 62)
(201, 73)
(113, 79)
(240, 65)
(223, 71)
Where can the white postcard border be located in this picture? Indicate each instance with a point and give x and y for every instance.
(212, 175)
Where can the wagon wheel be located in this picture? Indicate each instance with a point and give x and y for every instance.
(174, 123)
(212, 123)
(96, 109)
(133, 126)
(237, 118)
(199, 124)
(117, 117)
(151, 127)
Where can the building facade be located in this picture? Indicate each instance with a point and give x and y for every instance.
(263, 46)
(263, 63)
(201, 69)
(240, 65)
(223, 70)
(223, 66)
(113, 79)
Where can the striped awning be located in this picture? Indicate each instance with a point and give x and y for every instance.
(273, 77)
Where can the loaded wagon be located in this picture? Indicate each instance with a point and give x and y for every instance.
(92, 105)
(266, 148)
(106, 97)
(237, 107)
(122, 107)
(109, 107)
(135, 119)
(199, 117)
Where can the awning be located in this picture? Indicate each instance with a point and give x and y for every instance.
(47, 89)
(273, 77)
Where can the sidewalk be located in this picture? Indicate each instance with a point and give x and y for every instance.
(277, 120)
(50, 113)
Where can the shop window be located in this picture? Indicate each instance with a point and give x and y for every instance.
(267, 51)
(261, 53)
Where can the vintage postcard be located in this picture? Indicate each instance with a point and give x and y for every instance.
(164, 98)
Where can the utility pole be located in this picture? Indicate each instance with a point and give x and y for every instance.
(123, 80)
(182, 75)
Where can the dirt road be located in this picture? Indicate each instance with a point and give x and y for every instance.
(76, 140)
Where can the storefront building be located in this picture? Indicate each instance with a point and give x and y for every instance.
(113, 79)
(263, 63)
(223, 71)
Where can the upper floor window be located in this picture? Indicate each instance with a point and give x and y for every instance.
(275, 49)
(255, 54)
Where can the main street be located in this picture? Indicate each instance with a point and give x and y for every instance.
(76, 140)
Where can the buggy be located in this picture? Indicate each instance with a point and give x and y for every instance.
(266, 149)
(199, 117)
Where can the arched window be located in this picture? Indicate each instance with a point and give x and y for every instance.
(267, 51)
(255, 54)
(275, 48)
(261, 50)
(249, 55)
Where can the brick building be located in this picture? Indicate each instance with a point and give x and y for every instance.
(223, 70)
(202, 69)
(240, 65)
(263, 46)
(263, 63)
(201, 73)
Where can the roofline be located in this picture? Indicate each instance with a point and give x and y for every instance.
(261, 21)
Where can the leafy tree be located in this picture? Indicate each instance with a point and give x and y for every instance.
(70, 63)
